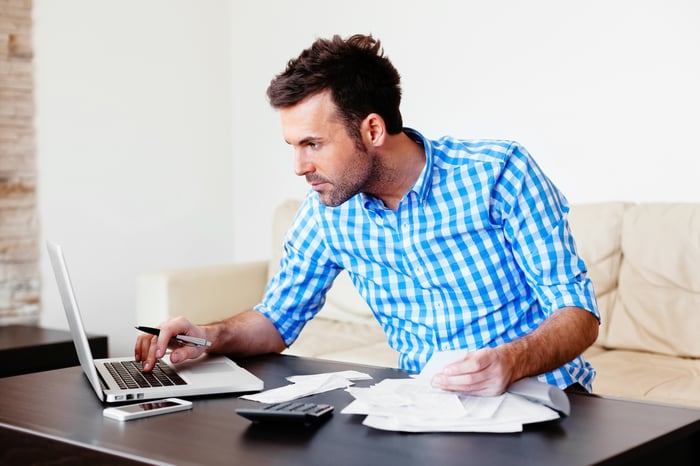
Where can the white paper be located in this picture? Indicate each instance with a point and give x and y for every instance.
(511, 415)
(393, 424)
(439, 360)
(542, 393)
(350, 375)
(408, 397)
(528, 387)
(412, 405)
(306, 385)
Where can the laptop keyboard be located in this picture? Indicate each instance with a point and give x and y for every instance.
(128, 374)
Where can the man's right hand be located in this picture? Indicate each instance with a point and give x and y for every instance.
(150, 348)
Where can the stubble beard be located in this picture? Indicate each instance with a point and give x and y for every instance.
(354, 181)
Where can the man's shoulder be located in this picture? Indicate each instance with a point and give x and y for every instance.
(449, 151)
(494, 150)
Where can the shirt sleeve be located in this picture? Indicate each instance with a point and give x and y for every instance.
(532, 213)
(298, 291)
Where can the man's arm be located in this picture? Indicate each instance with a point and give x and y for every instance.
(489, 371)
(247, 333)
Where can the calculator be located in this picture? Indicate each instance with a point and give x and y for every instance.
(289, 412)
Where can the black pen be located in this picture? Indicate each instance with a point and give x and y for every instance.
(183, 338)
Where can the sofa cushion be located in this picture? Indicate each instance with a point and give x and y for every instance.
(658, 304)
(597, 231)
(646, 376)
(344, 341)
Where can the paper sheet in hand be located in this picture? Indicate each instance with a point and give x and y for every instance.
(439, 360)
(530, 387)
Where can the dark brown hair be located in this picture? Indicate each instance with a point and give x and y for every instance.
(360, 78)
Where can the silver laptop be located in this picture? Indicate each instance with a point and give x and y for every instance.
(120, 379)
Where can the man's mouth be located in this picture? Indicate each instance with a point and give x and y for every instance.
(316, 183)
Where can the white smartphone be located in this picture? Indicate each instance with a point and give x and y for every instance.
(146, 408)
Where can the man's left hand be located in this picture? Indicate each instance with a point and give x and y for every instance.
(485, 372)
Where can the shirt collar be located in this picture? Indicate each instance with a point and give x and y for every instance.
(422, 185)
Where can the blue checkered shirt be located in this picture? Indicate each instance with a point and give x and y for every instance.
(477, 254)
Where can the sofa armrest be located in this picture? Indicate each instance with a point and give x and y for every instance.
(201, 294)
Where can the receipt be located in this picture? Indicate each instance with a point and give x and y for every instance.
(306, 385)
(439, 360)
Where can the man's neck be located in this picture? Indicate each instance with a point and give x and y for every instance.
(400, 163)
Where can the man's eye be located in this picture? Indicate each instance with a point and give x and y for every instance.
(313, 145)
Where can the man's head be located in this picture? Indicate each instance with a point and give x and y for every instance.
(360, 79)
(335, 165)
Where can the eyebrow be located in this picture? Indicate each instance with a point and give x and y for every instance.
(306, 140)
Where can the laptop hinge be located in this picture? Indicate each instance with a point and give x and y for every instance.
(103, 383)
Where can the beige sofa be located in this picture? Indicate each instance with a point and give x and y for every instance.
(644, 260)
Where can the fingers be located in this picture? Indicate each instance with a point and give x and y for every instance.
(150, 348)
(144, 351)
(469, 384)
(185, 351)
(481, 372)
(143, 343)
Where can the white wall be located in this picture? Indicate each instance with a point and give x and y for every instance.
(603, 93)
(157, 147)
(133, 129)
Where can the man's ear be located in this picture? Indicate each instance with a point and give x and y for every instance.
(373, 130)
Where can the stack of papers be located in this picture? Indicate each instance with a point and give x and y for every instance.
(412, 405)
(306, 385)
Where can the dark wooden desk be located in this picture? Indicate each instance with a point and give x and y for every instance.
(59, 405)
(25, 349)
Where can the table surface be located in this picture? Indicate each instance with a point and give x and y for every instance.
(60, 405)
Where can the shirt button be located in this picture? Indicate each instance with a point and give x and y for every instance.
(439, 305)
(445, 346)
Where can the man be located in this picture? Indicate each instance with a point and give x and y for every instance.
(454, 244)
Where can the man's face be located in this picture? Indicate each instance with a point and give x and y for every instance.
(332, 162)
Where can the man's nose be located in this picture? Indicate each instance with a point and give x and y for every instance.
(302, 164)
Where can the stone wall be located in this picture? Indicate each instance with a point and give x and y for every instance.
(19, 249)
